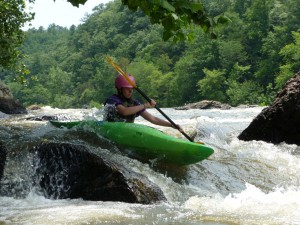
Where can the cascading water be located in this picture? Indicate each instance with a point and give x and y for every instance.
(241, 183)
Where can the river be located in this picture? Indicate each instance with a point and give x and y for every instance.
(241, 183)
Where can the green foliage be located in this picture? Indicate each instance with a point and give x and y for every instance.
(291, 58)
(286, 72)
(161, 87)
(36, 94)
(144, 73)
(250, 60)
(213, 85)
(177, 17)
(269, 63)
(247, 92)
(268, 97)
(59, 86)
(77, 2)
(240, 73)
(257, 18)
(12, 19)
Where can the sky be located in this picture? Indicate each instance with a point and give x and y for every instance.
(60, 12)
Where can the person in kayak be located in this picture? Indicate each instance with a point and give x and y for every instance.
(121, 107)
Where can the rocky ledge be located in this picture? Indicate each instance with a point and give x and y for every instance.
(279, 122)
(64, 170)
(70, 171)
(205, 104)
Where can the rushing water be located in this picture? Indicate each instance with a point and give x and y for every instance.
(241, 183)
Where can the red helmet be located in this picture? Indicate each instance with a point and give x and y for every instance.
(121, 82)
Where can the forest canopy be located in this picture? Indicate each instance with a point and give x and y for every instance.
(248, 63)
(12, 19)
(176, 17)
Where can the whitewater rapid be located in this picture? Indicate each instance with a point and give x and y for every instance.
(241, 183)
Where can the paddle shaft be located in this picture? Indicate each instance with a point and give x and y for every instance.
(161, 112)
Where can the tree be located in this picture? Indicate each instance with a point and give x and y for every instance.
(257, 17)
(143, 73)
(291, 57)
(213, 85)
(167, 71)
(177, 17)
(240, 73)
(292, 15)
(189, 68)
(12, 19)
(247, 92)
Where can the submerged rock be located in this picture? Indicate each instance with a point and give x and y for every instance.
(205, 104)
(71, 171)
(34, 107)
(41, 118)
(279, 122)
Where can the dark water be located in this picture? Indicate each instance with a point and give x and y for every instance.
(241, 183)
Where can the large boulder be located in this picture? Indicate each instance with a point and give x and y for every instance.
(8, 104)
(279, 122)
(70, 171)
(11, 106)
(205, 104)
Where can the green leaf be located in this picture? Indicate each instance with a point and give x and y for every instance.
(174, 16)
(167, 34)
(77, 2)
(168, 23)
(195, 7)
(223, 20)
(213, 35)
(165, 4)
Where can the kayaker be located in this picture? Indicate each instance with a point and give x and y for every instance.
(122, 107)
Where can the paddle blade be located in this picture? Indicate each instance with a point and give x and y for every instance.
(117, 68)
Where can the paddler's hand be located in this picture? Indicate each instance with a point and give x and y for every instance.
(177, 127)
(150, 104)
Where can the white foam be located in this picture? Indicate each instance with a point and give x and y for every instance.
(252, 205)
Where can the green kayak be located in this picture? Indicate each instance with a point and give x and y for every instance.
(146, 141)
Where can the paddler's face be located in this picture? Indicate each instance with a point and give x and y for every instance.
(127, 92)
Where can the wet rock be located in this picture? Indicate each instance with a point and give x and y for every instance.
(60, 117)
(8, 104)
(246, 106)
(71, 171)
(3, 115)
(11, 106)
(205, 104)
(41, 118)
(279, 122)
(3, 153)
(34, 107)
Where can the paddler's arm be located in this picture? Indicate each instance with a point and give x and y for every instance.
(126, 111)
(154, 119)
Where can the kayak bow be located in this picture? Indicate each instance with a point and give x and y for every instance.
(145, 141)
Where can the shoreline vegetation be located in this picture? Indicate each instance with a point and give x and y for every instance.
(247, 64)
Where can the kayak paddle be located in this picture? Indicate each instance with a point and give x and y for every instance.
(117, 68)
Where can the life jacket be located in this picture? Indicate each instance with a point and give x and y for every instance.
(110, 111)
